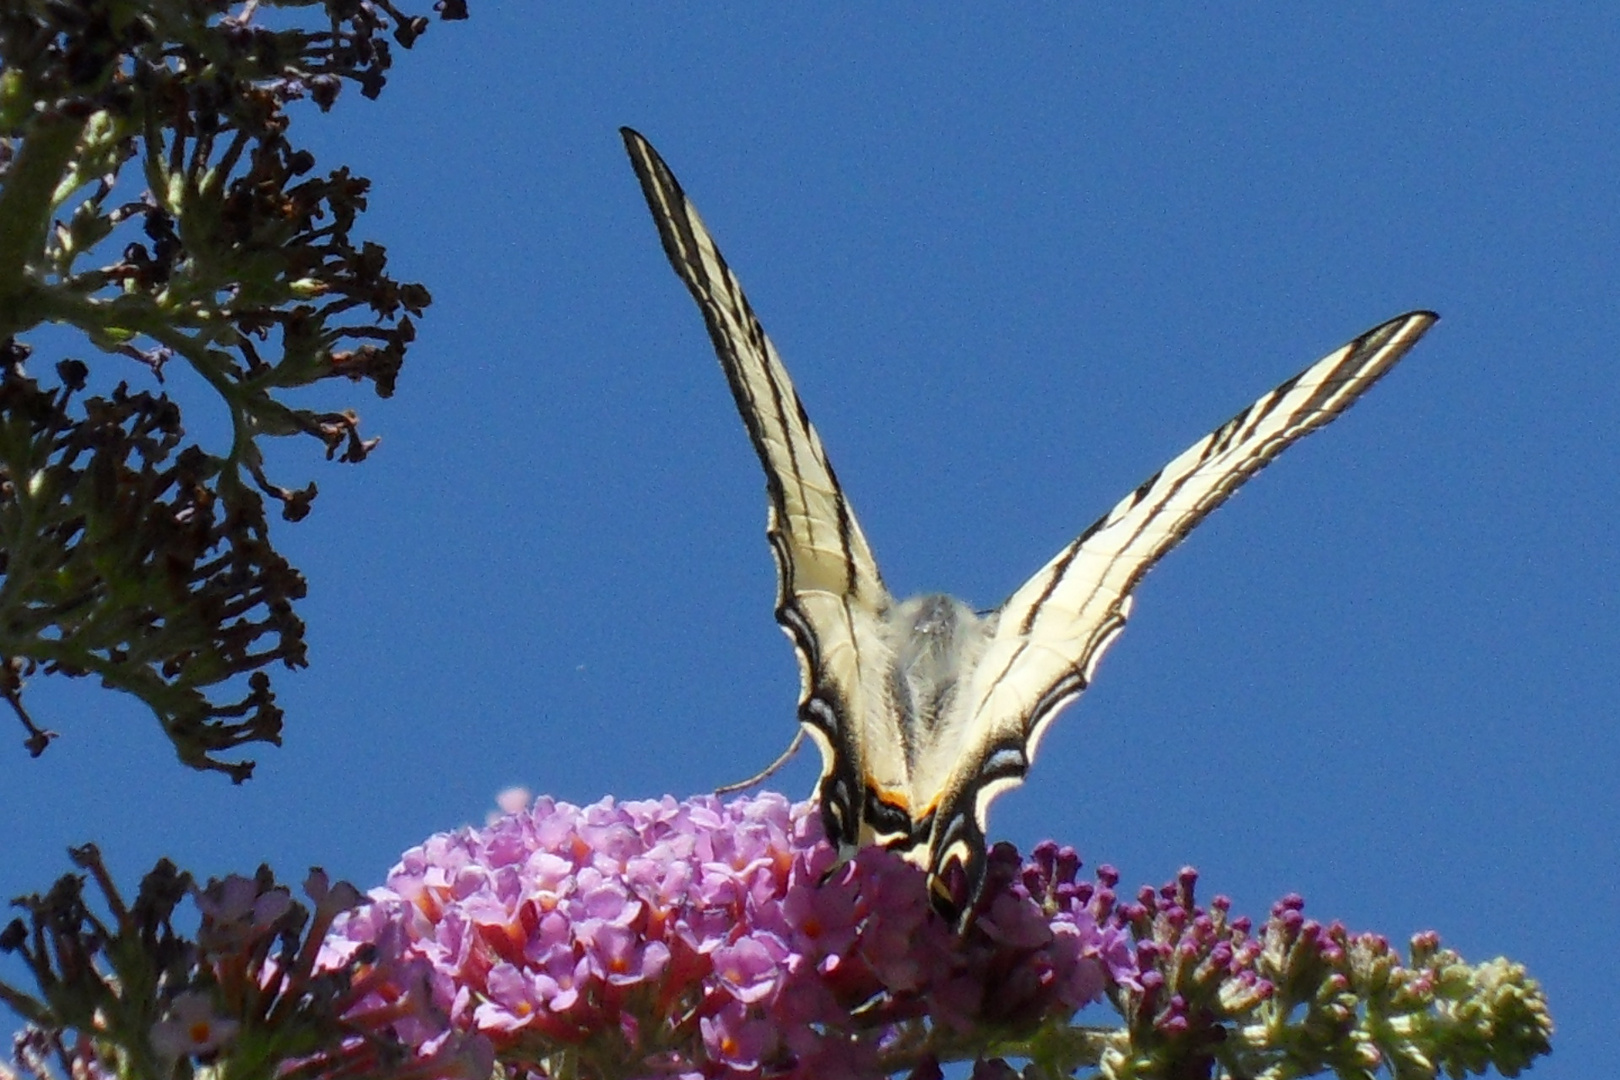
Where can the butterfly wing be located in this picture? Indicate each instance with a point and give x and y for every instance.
(830, 598)
(1049, 635)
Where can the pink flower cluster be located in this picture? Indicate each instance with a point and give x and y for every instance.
(702, 938)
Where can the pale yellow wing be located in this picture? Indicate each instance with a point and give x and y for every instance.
(830, 598)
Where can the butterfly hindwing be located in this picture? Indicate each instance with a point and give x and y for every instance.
(830, 596)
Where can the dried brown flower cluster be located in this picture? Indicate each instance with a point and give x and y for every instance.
(127, 553)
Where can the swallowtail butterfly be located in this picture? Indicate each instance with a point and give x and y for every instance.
(925, 710)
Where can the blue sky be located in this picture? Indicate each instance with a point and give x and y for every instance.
(1015, 263)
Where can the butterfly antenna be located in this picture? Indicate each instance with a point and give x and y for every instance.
(765, 773)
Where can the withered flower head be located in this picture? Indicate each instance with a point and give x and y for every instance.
(152, 200)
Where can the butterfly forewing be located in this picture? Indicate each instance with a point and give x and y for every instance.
(830, 597)
(1050, 634)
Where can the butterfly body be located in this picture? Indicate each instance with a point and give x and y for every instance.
(924, 710)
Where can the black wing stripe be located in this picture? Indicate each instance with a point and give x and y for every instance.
(1058, 570)
(1071, 683)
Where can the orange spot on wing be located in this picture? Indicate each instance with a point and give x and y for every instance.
(895, 800)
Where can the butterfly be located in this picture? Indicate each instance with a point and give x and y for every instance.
(925, 710)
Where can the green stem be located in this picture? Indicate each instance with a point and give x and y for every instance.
(29, 1008)
(27, 198)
